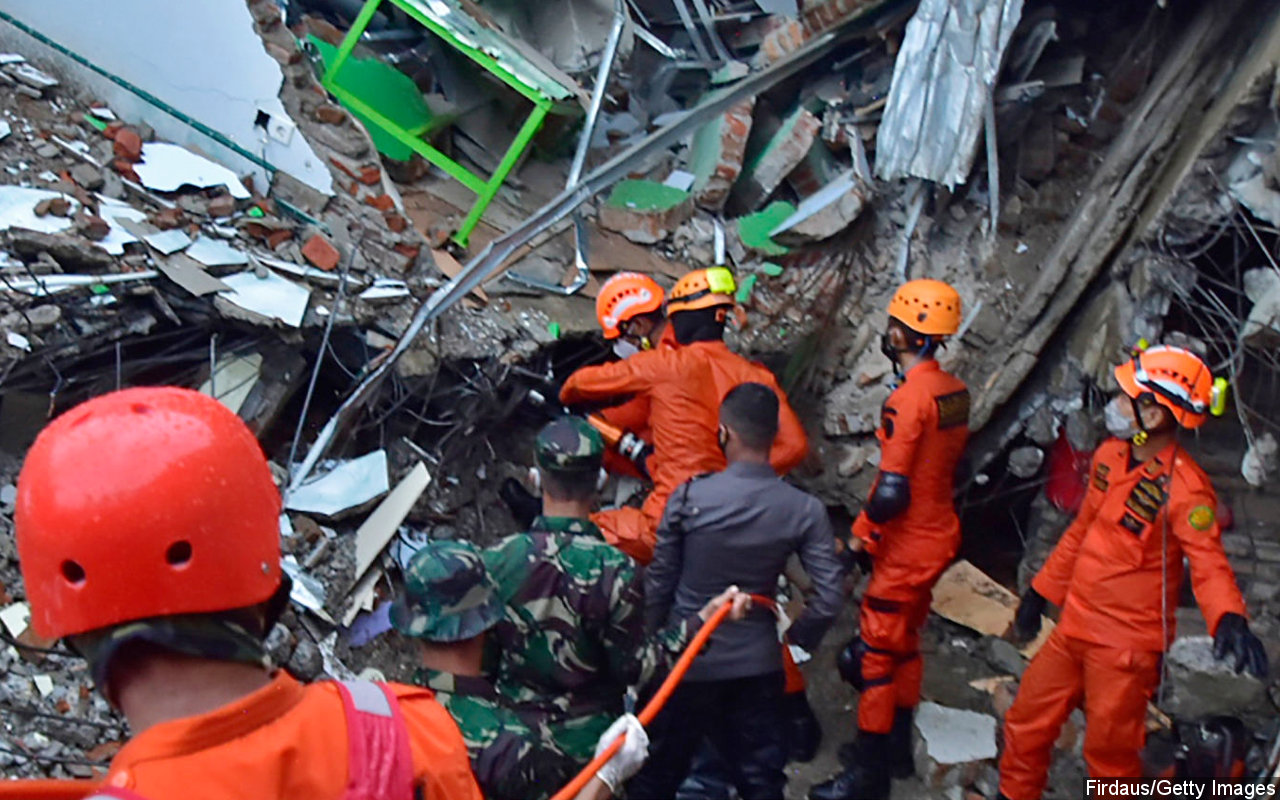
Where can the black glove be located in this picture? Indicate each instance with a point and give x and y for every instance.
(1026, 622)
(852, 559)
(1235, 639)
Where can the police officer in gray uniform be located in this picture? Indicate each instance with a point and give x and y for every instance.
(736, 527)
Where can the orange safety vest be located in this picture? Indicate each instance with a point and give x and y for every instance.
(339, 741)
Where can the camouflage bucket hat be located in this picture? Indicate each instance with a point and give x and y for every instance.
(448, 594)
(569, 444)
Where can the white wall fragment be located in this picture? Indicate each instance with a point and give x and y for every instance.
(203, 59)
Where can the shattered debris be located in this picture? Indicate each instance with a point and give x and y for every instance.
(1085, 177)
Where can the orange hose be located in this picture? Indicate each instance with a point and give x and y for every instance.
(46, 789)
(659, 698)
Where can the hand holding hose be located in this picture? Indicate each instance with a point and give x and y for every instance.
(630, 757)
(739, 603)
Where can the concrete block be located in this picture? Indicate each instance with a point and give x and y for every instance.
(952, 747)
(645, 212)
(717, 153)
(1200, 685)
(780, 155)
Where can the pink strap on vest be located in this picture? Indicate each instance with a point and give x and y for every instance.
(380, 764)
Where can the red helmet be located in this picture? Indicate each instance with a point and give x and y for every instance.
(626, 295)
(145, 503)
(1175, 378)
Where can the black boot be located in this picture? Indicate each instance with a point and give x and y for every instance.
(803, 733)
(524, 506)
(901, 764)
(867, 778)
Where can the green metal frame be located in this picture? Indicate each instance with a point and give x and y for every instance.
(485, 189)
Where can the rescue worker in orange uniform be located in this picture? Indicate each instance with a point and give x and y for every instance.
(629, 310)
(910, 532)
(1147, 507)
(147, 527)
(683, 387)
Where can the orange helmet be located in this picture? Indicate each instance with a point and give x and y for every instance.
(1175, 378)
(927, 306)
(702, 288)
(626, 295)
(144, 503)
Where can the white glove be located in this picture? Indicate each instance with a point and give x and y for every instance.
(629, 758)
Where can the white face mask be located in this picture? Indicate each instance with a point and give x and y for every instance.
(624, 349)
(1120, 424)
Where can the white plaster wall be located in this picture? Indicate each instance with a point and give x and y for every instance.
(200, 56)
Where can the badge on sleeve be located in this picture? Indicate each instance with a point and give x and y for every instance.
(1200, 518)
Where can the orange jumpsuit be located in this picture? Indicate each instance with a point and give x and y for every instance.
(923, 430)
(1106, 575)
(684, 388)
(633, 417)
(285, 740)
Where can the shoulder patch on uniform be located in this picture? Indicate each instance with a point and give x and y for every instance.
(1200, 518)
(953, 409)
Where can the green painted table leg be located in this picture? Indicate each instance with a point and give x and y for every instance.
(517, 148)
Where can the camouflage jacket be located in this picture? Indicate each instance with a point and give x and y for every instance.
(512, 754)
(572, 635)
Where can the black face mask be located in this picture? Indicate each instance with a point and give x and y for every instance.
(886, 347)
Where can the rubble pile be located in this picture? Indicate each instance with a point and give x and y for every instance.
(1087, 175)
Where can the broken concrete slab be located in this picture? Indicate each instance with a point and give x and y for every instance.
(645, 212)
(952, 746)
(828, 211)
(781, 154)
(1200, 685)
(716, 155)
(72, 253)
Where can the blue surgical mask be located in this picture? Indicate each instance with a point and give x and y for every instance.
(624, 349)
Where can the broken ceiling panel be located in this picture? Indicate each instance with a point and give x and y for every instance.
(942, 83)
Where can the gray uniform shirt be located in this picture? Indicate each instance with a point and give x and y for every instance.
(739, 527)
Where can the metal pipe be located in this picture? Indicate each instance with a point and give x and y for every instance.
(492, 257)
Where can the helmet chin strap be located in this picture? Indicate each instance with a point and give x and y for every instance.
(1140, 438)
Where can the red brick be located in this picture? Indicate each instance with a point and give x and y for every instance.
(277, 238)
(370, 175)
(396, 223)
(168, 219)
(224, 205)
(382, 202)
(341, 165)
(330, 114)
(128, 145)
(321, 252)
(409, 251)
(92, 227)
(257, 230)
(125, 168)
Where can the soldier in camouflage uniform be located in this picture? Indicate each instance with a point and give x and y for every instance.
(449, 602)
(572, 636)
